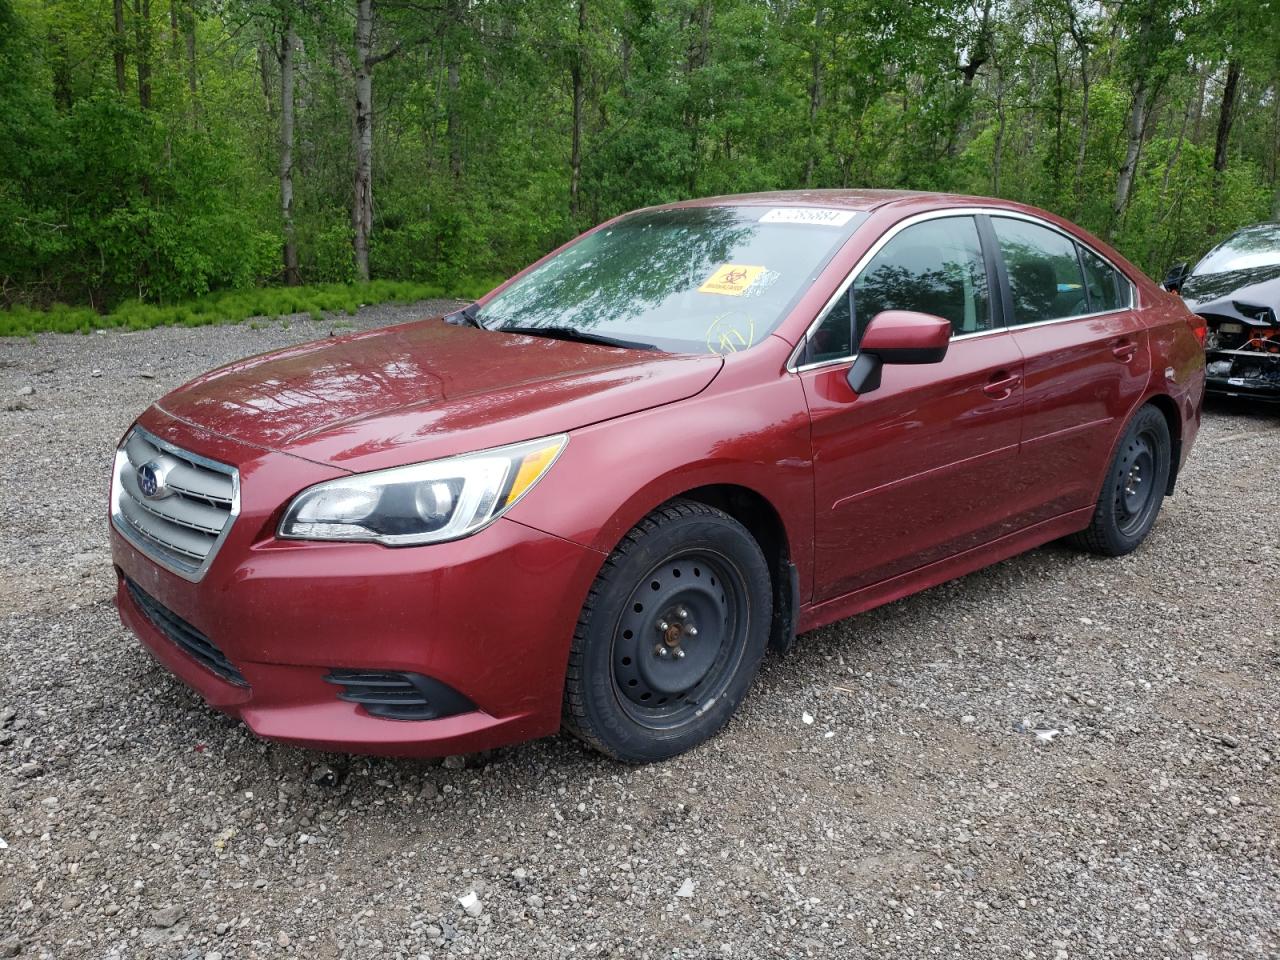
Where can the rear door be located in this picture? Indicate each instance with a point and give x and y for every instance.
(918, 469)
(1087, 361)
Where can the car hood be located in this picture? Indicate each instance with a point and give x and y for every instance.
(1228, 292)
(425, 390)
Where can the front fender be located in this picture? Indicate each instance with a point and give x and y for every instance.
(612, 474)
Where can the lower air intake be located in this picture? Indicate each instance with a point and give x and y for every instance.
(194, 643)
(395, 695)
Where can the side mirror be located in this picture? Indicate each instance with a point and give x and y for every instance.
(898, 336)
(1176, 276)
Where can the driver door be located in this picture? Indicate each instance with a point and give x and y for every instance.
(919, 469)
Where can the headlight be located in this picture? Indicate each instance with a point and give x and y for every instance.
(424, 502)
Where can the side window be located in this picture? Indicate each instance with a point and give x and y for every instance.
(933, 267)
(833, 338)
(1045, 281)
(1124, 290)
(1107, 290)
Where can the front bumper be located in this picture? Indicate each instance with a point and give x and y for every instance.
(1246, 389)
(1255, 376)
(491, 616)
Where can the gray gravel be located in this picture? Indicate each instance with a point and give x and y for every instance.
(894, 788)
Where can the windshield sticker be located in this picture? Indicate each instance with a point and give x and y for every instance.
(760, 286)
(816, 216)
(728, 334)
(731, 279)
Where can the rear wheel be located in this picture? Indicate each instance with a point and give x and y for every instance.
(1134, 487)
(671, 635)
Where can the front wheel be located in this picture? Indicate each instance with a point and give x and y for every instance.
(1134, 487)
(671, 635)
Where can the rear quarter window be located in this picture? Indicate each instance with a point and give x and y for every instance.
(1106, 286)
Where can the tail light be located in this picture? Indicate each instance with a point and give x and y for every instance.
(1198, 327)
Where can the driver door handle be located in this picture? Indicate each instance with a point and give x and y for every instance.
(1001, 385)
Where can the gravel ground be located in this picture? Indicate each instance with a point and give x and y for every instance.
(893, 788)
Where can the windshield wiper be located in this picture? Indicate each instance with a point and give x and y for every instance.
(468, 316)
(580, 336)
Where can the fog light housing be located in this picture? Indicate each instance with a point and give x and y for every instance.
(399, 695)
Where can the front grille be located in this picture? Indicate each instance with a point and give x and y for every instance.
(395, 695)
(182, 524)
(199, 647)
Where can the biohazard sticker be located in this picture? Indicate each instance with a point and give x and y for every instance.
(731, 280)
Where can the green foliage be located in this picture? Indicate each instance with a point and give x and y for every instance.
(1173, 219)
(111, 194)
(230, 307)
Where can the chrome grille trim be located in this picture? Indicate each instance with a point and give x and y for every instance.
(183, 531)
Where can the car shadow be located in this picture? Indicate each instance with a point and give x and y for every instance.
(1244, 407)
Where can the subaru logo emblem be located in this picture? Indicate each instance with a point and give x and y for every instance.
(151, 480)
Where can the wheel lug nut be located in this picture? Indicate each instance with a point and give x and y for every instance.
(682, 613)
(679, 653)
(691, 631)
(663, 626)
(660, 651)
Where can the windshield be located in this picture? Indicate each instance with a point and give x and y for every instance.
(688, 280)
(1252, 247)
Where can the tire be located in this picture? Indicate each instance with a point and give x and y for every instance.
(1133, 490)
(671, 635)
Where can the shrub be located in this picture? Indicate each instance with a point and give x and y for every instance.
(230, 307)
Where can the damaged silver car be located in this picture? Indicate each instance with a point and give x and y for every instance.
(1236, 289)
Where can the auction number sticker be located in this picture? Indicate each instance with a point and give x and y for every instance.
(817, 216)
(731, 279)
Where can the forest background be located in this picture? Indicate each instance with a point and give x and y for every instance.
(155, 151)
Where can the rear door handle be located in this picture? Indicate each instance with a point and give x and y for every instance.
(1124, 350)
(1001, 385)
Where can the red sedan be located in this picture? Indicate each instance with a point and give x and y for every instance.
(594, 498)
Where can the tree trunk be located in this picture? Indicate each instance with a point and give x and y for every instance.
(1082, 148)
(575, 152)
(290, 42)
(1136, 127)
(1172, 165)
(267, 79)
(815, 93)
(1226, 114)
(362, 135)
(983, 50)
(451, 57)
(1200, 95)
(142, 32)
(1058, 105)
(697, 58)
(453, 126)
(997, 150)
(189, 31)
(118, 45)
(63, 98)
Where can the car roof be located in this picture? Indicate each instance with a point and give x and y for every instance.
(905, 203)
(1269, 229)
(850, 199)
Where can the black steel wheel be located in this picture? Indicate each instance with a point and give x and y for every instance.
(1134, 488)
(678, 643)
(671, 635)
(1135, 495)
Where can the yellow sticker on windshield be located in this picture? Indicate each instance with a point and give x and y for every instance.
(731, 279)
